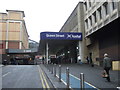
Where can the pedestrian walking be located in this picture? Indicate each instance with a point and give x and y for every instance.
(87, 58)
(107, 64)
(90, 60)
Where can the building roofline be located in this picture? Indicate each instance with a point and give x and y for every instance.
(33, 41)
(71, 15)
(16, 11)
(25, 27)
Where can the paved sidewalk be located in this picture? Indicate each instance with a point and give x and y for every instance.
(92, 75)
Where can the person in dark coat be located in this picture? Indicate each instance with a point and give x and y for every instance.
(107, 64)
(87, 58)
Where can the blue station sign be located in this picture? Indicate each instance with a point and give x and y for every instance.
(60, 35)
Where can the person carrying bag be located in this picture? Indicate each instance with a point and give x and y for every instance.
(104, 74)
(107, 64)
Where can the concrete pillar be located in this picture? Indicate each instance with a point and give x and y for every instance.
(20, 43)
(81, 28)
(47, 53)
(7, 34)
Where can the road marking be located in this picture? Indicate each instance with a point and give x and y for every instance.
(42, 76)
(45, 80)
(84, 81)
(6, 74)
(63, 81)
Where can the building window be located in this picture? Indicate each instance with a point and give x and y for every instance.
(94, 15)
(89, 3)
(100, 14)
(86, 24)
(85, 4)
(106, 8)
(113, 5)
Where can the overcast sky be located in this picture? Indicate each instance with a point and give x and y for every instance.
(41, 15)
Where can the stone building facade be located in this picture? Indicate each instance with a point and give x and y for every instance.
(13, 32)
(102, 29)
(75, 23)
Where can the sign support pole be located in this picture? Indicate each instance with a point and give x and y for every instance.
(47, 53)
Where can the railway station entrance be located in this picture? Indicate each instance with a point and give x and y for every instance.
(60, 47)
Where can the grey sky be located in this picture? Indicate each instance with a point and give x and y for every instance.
(41, 15)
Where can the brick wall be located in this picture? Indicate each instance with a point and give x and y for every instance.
(13, 45)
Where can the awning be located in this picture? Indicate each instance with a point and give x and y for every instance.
(57, 41)
(20, 51)
(60, 36)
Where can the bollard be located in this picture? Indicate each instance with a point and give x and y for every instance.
(55, 70)
(48, 68)
(59, 73)
(82, 81)
(67, 77)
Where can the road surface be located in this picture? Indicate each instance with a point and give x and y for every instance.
(24, 76)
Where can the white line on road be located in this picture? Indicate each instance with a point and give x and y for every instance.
(63, 81)
(84, 81)
(6, 74)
